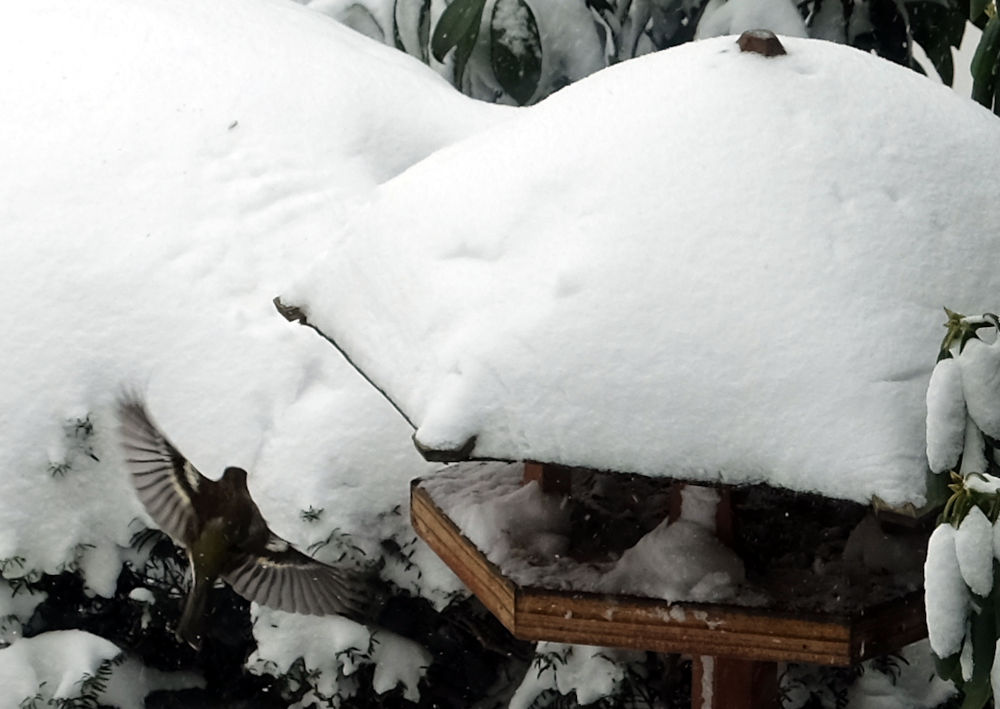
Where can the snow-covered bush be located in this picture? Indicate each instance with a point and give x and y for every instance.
(963, 555)
(580, 675)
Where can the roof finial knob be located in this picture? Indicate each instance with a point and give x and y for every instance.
(762, 42)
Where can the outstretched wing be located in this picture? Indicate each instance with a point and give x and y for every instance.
(165, 481)
(288, 580)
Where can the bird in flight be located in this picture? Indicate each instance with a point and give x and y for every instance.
(225, 535)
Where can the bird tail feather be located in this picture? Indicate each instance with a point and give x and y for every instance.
(190, 627)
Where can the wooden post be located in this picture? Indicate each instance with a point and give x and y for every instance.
(725, 683)
(551, 478)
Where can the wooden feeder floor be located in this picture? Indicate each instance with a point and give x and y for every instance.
(767, 634)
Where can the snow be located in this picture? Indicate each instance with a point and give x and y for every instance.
(946, 597)
(171, 166)
(984, 483)
(966, 661)
(519, 528)
(142, 595)
(681, 560)
(398, 662)
(974, 551)
(510, 520)
(973, 450)
(678, 562)
(51, 665)
(132, 681)
(147, 235)
(733, 17)
(511, 18)
(945, 416)
(730, 295)
(980, 367)
(916, 686)
(907, 681)
(707, 682)
(962, 58)
(699, 506)
(525, 532)
(333, 648)
(167, 166)
(16, 607)
(589, 673)
(961, 402)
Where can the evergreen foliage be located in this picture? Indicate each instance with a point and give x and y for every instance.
(498, 50)
(974, 490)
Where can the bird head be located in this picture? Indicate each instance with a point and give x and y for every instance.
(235, 474)
(235, 477)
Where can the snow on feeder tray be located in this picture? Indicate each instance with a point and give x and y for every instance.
(687, 269)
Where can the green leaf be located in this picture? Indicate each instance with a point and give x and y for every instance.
(890, 35)
(515, 49)
(458, 25)
(949, 668)
(984, 64)
(978, 689)
(937, 28)
(424, 32)
(396, 39)
(463, 51)
(411, 29)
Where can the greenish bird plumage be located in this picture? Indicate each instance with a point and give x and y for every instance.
(226, 536)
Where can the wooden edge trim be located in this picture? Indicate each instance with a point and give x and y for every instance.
(670, 639)
(481, 576)
(724, 618)
(647, 624)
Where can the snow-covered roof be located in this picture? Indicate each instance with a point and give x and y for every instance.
(702, 263)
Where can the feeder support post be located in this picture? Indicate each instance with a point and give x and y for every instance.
(725, 683)
(551, 478)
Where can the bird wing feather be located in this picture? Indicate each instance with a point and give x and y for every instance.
(164, 480)
(286, 579)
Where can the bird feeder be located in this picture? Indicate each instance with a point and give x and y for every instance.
(630, 300)
(735, 650)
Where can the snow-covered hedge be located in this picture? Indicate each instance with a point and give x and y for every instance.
(963, 556)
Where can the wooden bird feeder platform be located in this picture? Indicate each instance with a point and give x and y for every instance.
(734, 649)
